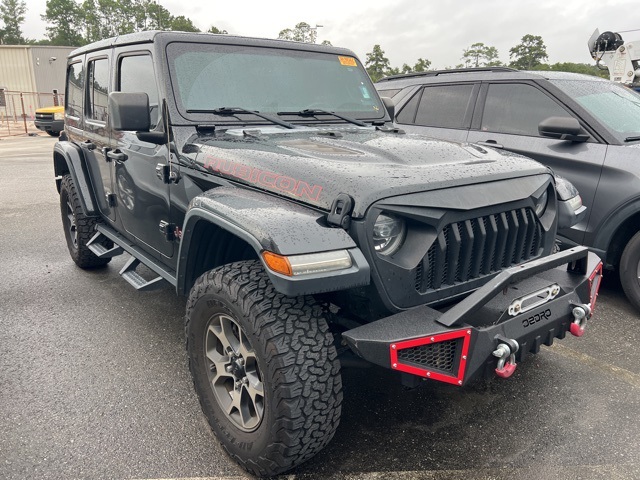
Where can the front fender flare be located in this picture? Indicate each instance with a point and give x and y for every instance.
(271, 223)
(68, 157)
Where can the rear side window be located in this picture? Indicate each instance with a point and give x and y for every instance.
(136, 75)
(75, 87)
(98, 87)
(445, 106)
(518, 109)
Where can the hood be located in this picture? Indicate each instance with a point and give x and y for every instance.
(58, 109)
(314, 166)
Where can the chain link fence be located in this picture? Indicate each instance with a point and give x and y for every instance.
(18, 110)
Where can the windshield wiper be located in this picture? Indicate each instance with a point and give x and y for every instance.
(312, 112)
(632, 139)
(235, 110)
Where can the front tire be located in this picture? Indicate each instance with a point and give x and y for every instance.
(630, 270)
(78, 228)
(264, 367)
(53, 133)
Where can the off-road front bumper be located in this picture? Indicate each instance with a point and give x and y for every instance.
(512, 315)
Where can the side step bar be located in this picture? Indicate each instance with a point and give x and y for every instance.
(100, 251)
(136, 280)
(138, 256)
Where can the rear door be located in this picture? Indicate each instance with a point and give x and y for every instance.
(440, 111)
(509, 119)
(96, 132)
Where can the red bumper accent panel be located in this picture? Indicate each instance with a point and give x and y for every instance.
(465, 334)
(595, 279)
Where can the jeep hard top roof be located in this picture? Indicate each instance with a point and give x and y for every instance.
(475, 74)
(165, 37)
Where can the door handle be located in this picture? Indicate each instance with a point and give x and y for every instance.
(117, 155)
(489, 143)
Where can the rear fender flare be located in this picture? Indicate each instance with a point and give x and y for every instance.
(68, 158)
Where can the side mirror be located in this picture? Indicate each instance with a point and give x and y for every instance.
(562, 128)
(129, 111)
(390, 106)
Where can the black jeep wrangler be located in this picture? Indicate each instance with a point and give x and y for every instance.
(264, 180)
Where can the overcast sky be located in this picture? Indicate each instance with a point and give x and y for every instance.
(408, 29)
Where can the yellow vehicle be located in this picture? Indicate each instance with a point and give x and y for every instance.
(50, 120)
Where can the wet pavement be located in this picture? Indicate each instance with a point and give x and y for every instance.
(94, 381)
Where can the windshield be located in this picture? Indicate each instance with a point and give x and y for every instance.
(617, 107)
(269, 80)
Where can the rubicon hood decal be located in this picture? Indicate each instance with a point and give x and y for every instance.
(366, 165)
(263, 178)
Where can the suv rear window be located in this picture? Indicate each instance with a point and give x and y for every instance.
(75, 89)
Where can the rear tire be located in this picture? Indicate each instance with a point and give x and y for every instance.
(630, 270)
(244, 338)
(78, 228)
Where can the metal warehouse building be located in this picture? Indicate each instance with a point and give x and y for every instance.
(28, 76)
(30, 68)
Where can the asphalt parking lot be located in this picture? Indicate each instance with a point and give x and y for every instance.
(94, 381)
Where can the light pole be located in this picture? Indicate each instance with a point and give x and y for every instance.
(313, 35)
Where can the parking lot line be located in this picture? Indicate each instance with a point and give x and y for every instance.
(618, 372)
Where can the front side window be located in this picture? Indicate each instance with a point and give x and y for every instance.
(615, 106)
(137, 75)
(209, 76)
(98, 86)
(75, 88)
(518, 108)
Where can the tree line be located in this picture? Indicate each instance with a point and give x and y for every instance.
(529, 54)
(76, 23)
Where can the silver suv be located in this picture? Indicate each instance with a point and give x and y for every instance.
(585, 128)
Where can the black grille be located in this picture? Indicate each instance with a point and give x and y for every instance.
(433, 356)
(44, 116)
(470, 249)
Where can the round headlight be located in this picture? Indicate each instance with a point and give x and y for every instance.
(541, 203)
(388, 234)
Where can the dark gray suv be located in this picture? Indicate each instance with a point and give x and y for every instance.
(587, 129)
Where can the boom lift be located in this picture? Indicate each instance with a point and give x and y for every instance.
(621, 58)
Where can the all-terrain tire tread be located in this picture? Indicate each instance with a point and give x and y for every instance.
(85, 226)
(301, 361)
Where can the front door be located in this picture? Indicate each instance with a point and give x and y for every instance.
(510, 118)
(143, 197)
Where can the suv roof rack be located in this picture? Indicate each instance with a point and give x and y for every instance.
(435, 73)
